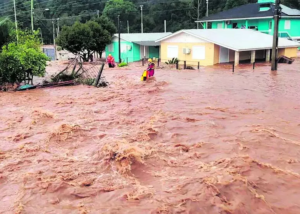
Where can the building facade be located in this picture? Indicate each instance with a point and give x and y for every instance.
(135, 46)
(214, 46)
(257, 16)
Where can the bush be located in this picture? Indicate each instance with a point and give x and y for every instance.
(59, 48)
(25, 57)
(172, 61)
(122, 64)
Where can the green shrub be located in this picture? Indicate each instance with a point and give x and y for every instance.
(172, 61)
(26, 56)
(58, 48)
(122, 64)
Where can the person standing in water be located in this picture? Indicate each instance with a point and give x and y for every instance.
(150, 68)
(111, 61)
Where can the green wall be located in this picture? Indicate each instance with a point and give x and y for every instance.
(295, 27)
(154, 52)
(136, 52)
(264, 25)
(130, 55)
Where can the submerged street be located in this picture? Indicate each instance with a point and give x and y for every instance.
(208, 141)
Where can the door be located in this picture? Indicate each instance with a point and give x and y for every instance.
(224, 55)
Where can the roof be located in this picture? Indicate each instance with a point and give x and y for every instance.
(237, 39)
(147, 39)
(249, 11)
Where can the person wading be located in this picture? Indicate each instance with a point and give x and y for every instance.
(150, 68)
(111, 61)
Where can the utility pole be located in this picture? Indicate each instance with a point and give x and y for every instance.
(98, 13)
(198, 13)
(32, 15)
(165, 26)
(206, 13)
(275, 36)
(16, 21)
(142, 27)
(127, 26)
(119, 31)
(206, 8)
(58, 27)
(54, 39)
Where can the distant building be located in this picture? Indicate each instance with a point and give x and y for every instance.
(258, 16)
(214, 46)
(135, 46)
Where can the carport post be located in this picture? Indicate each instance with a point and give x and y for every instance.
(237, 58)
(268, 55)
(252, 56)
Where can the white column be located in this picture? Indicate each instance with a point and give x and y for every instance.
(253, 56)
(268, 55)
(237, 58)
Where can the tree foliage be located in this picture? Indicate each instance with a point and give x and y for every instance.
(18, 59)
(179, 14)
(85, 39)
(5, 32)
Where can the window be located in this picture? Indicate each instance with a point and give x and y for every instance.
(111, 48)
(198, 52)
(172, 51)
(235, 25)
(287, 25)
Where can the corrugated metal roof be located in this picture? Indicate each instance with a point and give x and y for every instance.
(237, 39)
(147, 39)
(290, 11)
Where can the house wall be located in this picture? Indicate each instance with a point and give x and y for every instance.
(209, 53)
(263, 25)
(154, 52)
(136, 52)
(125, 53)
(294, 31)
(216, 54)
(184, 40)
(288, 52)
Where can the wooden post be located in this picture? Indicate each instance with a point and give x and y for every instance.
(233, 64)
(98, 79)
(184, 65)
(198, 65)
(177, 67)
(158, 62)
(143, 63)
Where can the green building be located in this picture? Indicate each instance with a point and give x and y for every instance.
(257, 16)
(135, 46)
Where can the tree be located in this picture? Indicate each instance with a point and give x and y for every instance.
(25, 57)
(104, 37)
(234, 3)
(126, 9)
(5, 32)
(85, 39)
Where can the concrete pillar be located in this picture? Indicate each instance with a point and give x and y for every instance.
(246, 24)
(237, 58)
(268, 56)
(253, 56)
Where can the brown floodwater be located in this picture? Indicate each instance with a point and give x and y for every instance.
(197, 142)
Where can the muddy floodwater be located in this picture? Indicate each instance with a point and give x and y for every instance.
(190, 142)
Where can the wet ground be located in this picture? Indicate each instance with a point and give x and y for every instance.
(208, 142)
